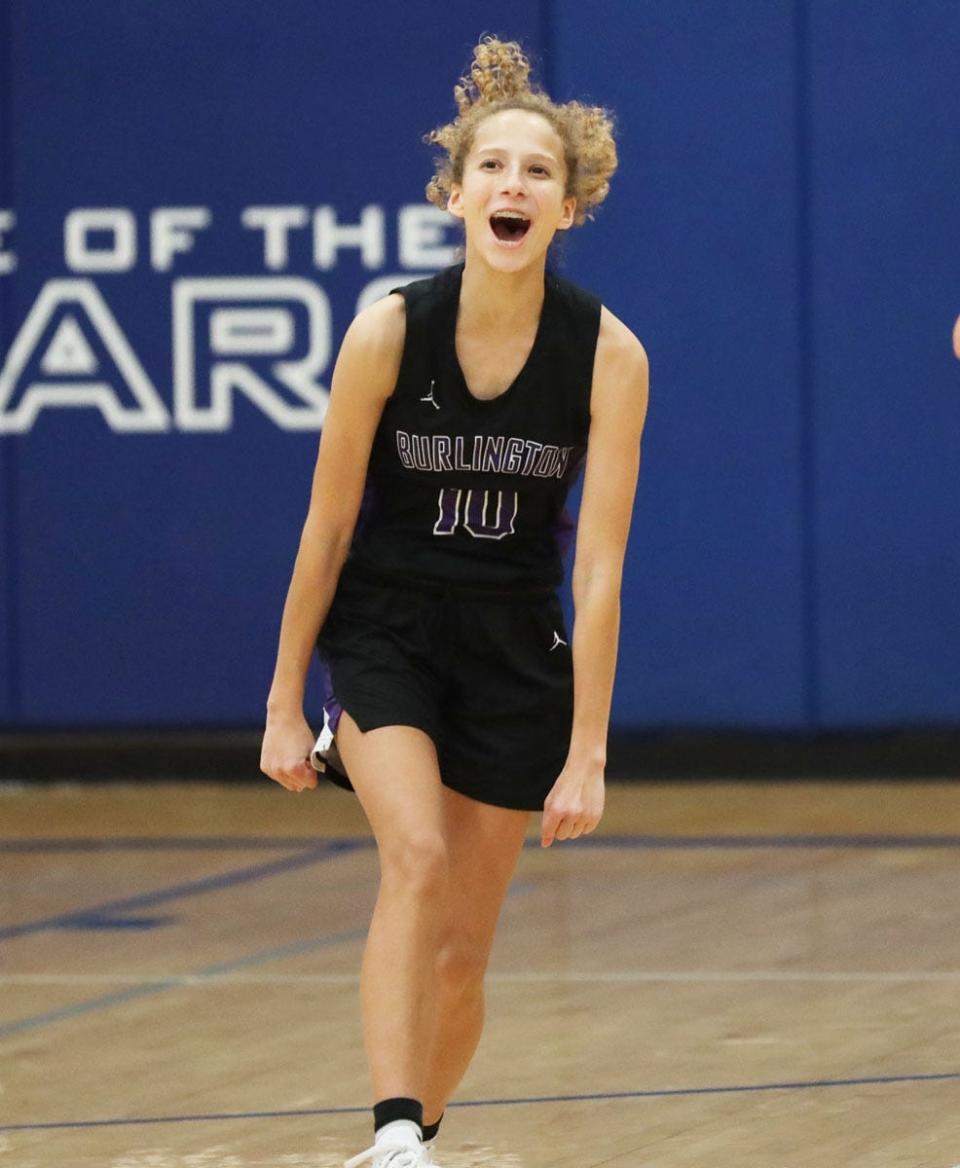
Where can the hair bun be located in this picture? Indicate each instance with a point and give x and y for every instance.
(500, 69)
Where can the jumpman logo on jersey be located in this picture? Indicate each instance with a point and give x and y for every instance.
(430, 398)
(557, 641)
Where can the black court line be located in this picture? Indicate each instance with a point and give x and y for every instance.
(241, 843)
(78, 916)
(530, 1100)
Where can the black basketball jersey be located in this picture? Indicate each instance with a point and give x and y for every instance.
(472, 492)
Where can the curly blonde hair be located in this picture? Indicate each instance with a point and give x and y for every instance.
(499, 79)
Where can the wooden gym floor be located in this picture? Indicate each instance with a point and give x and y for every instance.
(723, 976)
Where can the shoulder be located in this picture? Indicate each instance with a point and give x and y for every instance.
(386, 322)
(617, 343)
(385, 318)
(377, 331)
(371, 353)
(621, 370)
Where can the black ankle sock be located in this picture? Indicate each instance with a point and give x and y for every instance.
(388, 1110)
(430, 1129)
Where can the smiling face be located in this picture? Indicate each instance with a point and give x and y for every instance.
(511, 199)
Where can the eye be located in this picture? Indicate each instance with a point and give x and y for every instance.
(541, 169)
(489, 161)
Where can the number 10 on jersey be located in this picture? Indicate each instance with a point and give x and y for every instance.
(484, 514)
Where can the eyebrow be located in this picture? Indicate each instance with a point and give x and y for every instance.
(532, 154)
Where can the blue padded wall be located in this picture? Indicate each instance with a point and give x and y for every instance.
(154, 565)
(695, 249)
(8, 657)
(884, 116)
(782, 235)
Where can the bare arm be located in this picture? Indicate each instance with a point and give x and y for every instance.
(618, 408)
(363, 378)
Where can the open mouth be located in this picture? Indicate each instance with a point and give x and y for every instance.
(509, 228)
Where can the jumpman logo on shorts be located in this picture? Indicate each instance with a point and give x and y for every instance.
(430, 398)
(557, 640)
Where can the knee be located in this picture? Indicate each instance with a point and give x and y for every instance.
(415, 862)
(461, 961)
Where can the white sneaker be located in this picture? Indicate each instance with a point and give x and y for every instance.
(387, 1155)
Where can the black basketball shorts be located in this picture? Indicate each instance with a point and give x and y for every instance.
(489, 677)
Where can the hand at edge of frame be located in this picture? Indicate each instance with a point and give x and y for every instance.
(574, 806)
(285, 754)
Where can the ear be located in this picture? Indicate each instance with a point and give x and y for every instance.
(569, 210)
(455, 202)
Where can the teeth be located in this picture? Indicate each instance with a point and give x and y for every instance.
(509, 215)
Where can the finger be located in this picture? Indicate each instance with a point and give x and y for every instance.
(548, 825)
(302, 775)
(563, 831)
(572, 829)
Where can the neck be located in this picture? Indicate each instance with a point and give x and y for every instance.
(490, 299)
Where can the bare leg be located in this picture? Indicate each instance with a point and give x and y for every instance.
(395, 774)
(484, 844)
(459, 1025)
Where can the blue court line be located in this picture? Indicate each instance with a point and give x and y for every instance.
(181, 981)
(187, 843)
(311, 855)
(278, 953)
(239, 843)
(529, 1100)
(764, 841)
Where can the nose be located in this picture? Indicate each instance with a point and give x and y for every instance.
(514, 180)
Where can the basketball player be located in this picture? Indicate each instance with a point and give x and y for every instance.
(462, 408)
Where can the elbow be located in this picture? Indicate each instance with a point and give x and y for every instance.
(327, 536)
(597, 579)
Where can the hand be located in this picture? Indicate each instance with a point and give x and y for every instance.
(575, 803)
(285, 755)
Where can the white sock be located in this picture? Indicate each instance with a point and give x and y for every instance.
(404, 1132)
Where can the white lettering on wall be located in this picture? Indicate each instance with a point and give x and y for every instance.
(422, 233)
(266, 337)
(237, 332)
(276, 224)
(119, 254)
(171, 231)
(8, 260)
(296, 400)
(329, 237)
(65, 345)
